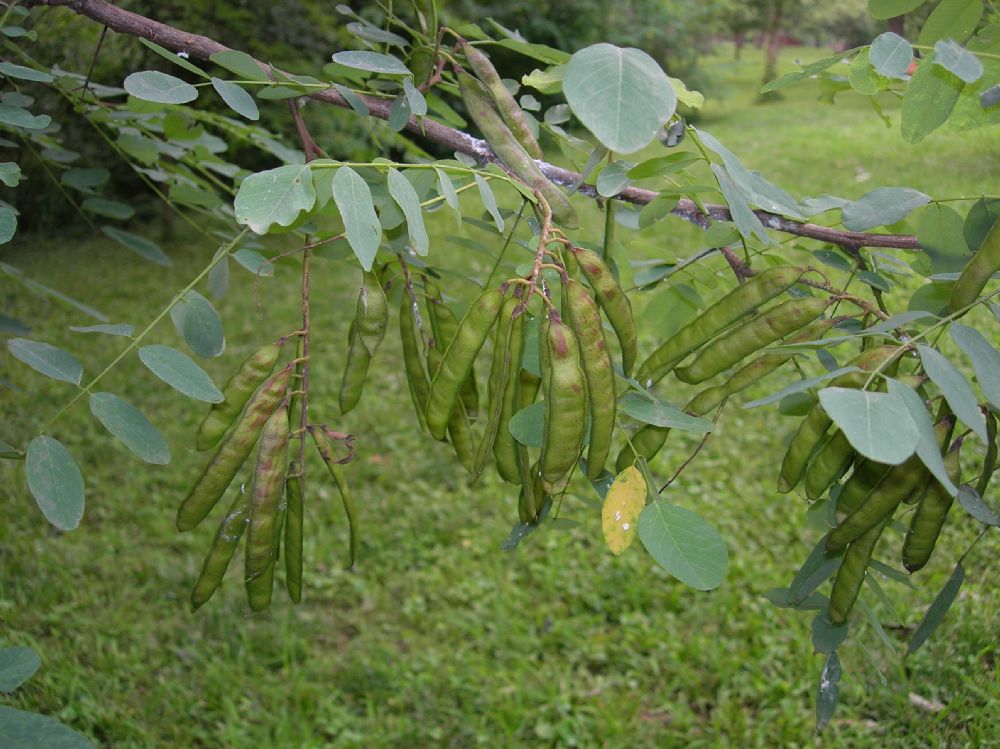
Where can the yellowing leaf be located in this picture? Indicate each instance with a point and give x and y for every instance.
(622, 506)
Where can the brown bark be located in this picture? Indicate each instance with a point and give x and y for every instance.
(772, 35)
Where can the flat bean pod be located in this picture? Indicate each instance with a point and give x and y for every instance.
(928, 519)
(232, 452)
(613, 300)
(741, 379)
(480, 108)
(227, 538)
(444, 325)
(527, 392)
(585, 319)
(505, 447)
(756, 370)
(416, 377)
(898, 483)
(811, 431)
(813, 427)
(237, 391)
(565, 403)
(977, 272)
(503, 370)
(355, 370)
(851, 574)
(645, 443)
(738, 303)
(337, 473)
(294, 519)
(262, 532)
(866, 477)
(372, 315)
(532, 495)
(506, 105)
(829, 464)
(459, 428)
(459, 358)
(752, 336)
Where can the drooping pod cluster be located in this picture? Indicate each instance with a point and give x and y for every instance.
(574, 376)
(259, 409)
(867, 493)
(877, 491)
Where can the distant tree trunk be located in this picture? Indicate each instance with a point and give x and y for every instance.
(896, 25)
(739, 39)
(772, 36)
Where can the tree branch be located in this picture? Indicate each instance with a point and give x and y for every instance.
(202, 47)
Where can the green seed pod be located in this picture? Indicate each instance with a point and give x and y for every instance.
(929, 517)
(506, 362)
(226, 540)
(337, 473)
(294, 519)
(252, 372)
(866, 477)
(977, 272)
(648, 442)
(897, 484)
(355, 370)
(585, 319)
(373, 312)
(738, 303)
(511, 153)
(851, 574)
(459, 358)
(807, 437)
(758, 369)
(262, 532)
(232, 452)
(504, 389)
(613, 300)
(830, 463)
(565, 403)
(740, 380)
(508, 108)
(527, 392)
(813, 427)
(752, 336)
(459, 427)
(525, 510)
(416, 377)
(444, 325)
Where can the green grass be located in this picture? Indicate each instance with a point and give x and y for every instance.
(438, 638)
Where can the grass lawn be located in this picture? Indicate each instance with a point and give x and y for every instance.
(438, 638)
